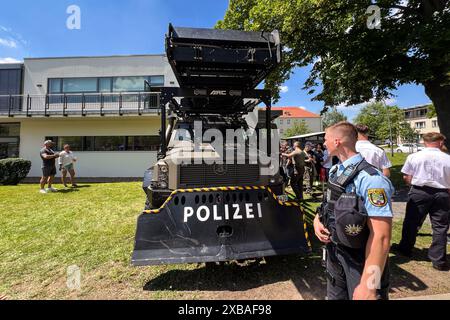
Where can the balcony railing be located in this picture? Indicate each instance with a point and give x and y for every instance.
(79, 104)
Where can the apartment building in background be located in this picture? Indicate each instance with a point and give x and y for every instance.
(291, 115)
(418, 119)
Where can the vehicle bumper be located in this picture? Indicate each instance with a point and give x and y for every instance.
(263, 226)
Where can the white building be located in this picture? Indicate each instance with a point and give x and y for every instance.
(98, 105)
(292, 115)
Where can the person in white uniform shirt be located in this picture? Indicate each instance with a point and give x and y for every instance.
(428, 173)
(327, 161)
(66, 165)
(373, 155)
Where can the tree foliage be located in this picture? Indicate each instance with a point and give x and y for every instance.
(298, 128)
(407, 133)
(380, 119)
(332, 117)
(431, 111)
(350, 62)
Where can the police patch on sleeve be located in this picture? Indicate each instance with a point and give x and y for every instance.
(377, 197)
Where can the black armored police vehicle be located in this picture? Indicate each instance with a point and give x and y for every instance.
(203, 205)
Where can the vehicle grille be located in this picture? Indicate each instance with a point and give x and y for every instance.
(201, 175)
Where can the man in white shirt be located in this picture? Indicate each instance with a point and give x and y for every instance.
(327, 162)
(66, 165)
(428, 173)
(373, 155)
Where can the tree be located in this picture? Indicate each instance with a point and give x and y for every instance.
(407, 133)
(431, 111)
(332, 117)
(352, 59)
(299, 128)
(380, 119)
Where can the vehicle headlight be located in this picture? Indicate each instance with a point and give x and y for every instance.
(163, 167)
(163, 176)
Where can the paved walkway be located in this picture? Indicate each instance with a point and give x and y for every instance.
(445, 296)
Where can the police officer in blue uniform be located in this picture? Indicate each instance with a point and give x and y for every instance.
(355, 222)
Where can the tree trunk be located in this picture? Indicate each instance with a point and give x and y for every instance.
(440, 95)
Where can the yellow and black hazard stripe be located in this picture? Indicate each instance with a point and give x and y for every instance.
(215, 189)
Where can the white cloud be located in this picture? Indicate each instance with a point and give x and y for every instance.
(390, 101)
(344, 106)
(8, 43)
(9, 60)
(284, 89)
(4, 28)
(10, 39)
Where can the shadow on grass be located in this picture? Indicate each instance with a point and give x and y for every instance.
(73, 189)
(305, 272)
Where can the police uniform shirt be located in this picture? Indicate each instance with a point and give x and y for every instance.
(429, 167)
(373, 155)
(375, 190)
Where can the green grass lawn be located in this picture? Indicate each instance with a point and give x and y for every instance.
(93, 227)
(41, 235)
(397, 163)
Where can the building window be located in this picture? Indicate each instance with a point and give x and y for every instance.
(76, 143)
(422, 112)
(9, 140)
(129, 84)
(55, 86)
(281, 121)
(9, 129)
(104, 84)
(288, 121)
(79, 85)
(108, 143)
(420, 125)
(156, 81)
(434, 123)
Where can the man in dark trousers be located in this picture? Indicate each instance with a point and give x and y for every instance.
(428, 173)
(48, 157)
(298, 157)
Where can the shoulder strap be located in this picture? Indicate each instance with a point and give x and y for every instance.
(352, 171)
(370, 169)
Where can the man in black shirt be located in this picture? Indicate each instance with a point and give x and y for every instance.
(48, 157)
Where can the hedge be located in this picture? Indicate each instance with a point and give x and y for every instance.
(12, 171)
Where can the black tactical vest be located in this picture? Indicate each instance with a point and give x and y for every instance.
(342, 213)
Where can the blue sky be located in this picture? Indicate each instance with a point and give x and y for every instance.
(38, 29)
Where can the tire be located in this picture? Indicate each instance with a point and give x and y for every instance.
(399, 151)
(214, 265)
(152, 206)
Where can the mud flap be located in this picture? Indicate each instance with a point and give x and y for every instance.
(219, 224)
